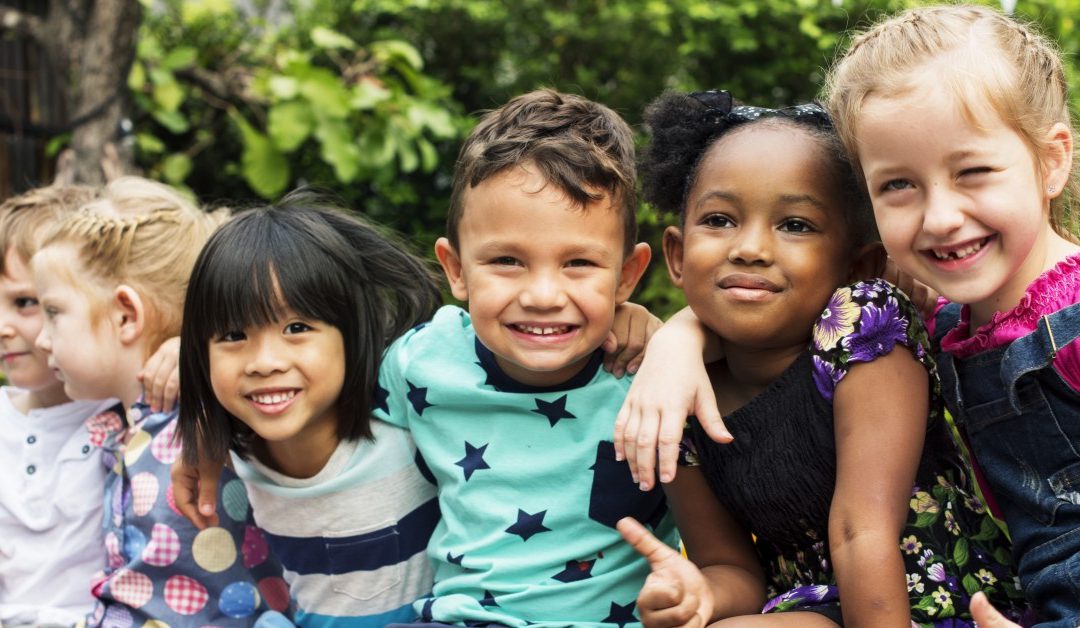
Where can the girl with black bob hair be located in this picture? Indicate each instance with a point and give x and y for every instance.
(838, 494)
(288, 312)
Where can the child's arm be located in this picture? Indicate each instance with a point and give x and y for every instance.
(986, 616)
(161, 376)
(195, 490)
(671, 385)
(624, 347)
(722, 578)
(880, 411)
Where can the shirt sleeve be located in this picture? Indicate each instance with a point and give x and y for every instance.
(862, 322)
(390, 398)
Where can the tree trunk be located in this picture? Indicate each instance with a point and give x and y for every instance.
(91, 45)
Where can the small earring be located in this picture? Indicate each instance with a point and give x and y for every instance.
(1050, 190)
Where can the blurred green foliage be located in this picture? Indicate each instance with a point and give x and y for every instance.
(371, 98)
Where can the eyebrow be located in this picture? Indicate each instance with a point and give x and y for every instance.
(785, 199)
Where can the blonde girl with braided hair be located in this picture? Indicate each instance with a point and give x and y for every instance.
(111, 280)
(958, 121)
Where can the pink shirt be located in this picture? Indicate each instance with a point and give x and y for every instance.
(1055, 289)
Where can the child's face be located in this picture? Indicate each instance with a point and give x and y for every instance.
(764, 242)
(961, 207)
(282, 380)
(542, 276)
(25, 365)
(81, 353)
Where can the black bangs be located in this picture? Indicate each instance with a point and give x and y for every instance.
(264, 263)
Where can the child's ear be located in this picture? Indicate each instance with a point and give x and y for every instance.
(633, 267)
(868, 262)
(1057, 160)
(129, 312)
(451, 265)
(673, 250)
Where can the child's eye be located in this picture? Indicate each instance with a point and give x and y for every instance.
(896, 184)
(23, 303)
(796, 225)
(50, 312)
(505, 260)
(976, 171)
(580, 263)
(231, 336)
(297, 328)
(717, 221)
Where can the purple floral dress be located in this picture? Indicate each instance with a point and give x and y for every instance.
(778, 476)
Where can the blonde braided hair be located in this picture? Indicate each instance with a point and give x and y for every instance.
(152, 250)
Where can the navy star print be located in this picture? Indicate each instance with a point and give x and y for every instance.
(473, 460)
(379, 399)
(553, 410)
(489, 599)
(418, 398)
(575, 570)
(621, 615)
(527, 525)
(454, 560)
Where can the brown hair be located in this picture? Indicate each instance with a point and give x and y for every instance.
(142, 234)
(580, 146)
(26, 219)
(981, 55)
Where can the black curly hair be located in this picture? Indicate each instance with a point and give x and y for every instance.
(683, 127)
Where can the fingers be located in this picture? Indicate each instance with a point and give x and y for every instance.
(643, 541)
(185, 484)
(672, 425)
(620, 431)
(209, 476)
(645, 453)
(986, 616)
(663, 603)
(161, 376)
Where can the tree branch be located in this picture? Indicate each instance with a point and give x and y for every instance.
(21, 23)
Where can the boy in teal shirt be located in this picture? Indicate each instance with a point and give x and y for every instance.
(506, 402)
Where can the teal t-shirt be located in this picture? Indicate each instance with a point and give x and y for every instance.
(528, 484)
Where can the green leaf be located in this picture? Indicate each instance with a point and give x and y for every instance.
(368, 93)
(393, 49)
(149, 144)
(57, 144)
(925, 519)
(137, 77)
(338, 150)
(178, 58)
(284, 87)
(960, 552)
(330, 39)
(198, 10)
(263, 166)
(172, 120)
(429, 157)
(971, 585)
(407, 156)
(176, 167)
(324, 90)
(437, 120)
(169, 96)
(289, 124)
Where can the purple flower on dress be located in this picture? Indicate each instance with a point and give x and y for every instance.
(882, 327)
(936, 572)
(867, 289)
(837, 321)
(825, 377)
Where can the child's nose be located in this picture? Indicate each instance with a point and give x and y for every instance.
(543, 290)
(43, 342)
(265, 358)
(752, 245)
(943, 214)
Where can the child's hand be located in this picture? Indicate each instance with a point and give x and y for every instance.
(624, 347)
(986, 616)
(675, 593)
(924, 297)
(195, 490)
(671, 385)
(161, 377)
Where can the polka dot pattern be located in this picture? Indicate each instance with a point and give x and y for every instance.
(255, 549)
(155, 623)
(132, 588)
(184, 595)
(276, 593)
(164, 447)
(112, 551)
(117, 617)
(239, 599)
(214, 550)
(135, 447)
(170, 499)
(164, 547)
(234, 500)
(144, 492)
(134, 542)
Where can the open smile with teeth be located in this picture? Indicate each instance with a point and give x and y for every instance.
(959, 253)
(542, 330)
(272, 398)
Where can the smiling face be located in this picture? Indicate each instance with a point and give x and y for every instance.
(21, 318)
(961, 205)
(763, 244)
(282, 380)
(541, 275)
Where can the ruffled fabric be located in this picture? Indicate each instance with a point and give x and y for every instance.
(1055, 289)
